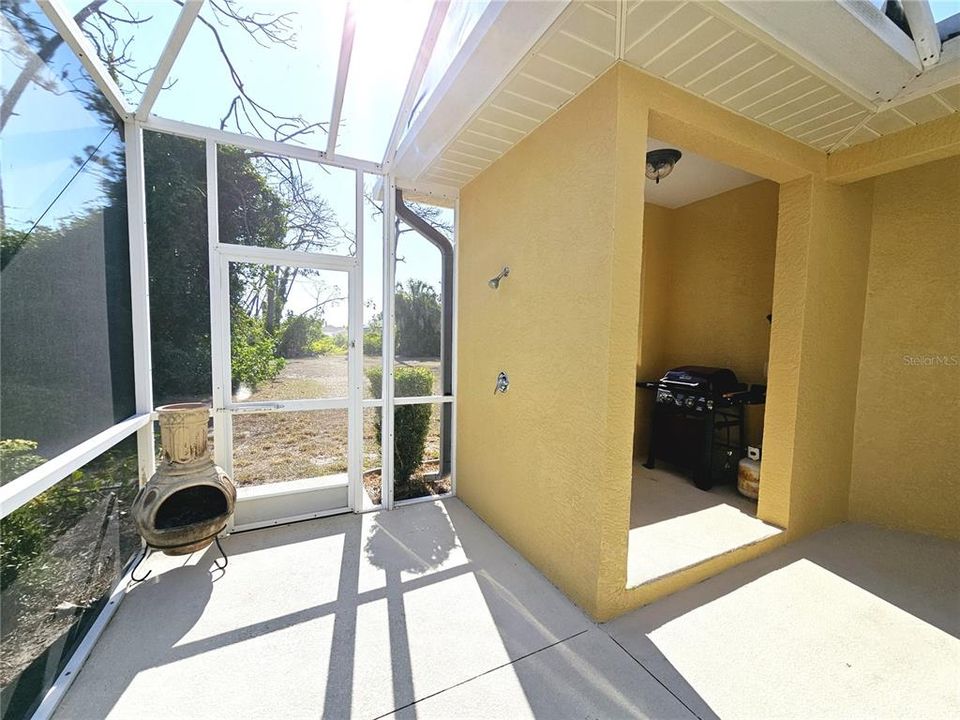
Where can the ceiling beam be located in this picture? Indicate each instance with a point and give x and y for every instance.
(928, 142)
(188, 13)
(254, 142)
(944, 74)
(924, 30)
(501, 38)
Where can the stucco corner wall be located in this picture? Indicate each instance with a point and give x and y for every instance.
(819, 289)
(532, 462)
(905, 471)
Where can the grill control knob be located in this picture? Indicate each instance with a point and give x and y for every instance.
(689, 402)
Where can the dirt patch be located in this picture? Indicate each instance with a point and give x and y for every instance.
(424, 483)
(279, 446)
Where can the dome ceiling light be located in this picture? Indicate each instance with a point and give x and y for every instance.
(660, 163)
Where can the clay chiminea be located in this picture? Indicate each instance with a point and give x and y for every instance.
(189, 500)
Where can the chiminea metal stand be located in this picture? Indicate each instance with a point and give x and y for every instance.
(150, 550)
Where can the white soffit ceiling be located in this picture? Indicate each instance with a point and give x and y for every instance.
(694, 178)
(714, 50)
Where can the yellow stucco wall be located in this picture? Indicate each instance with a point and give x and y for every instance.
(826, 279)
(905, 471)
(721, 259)
(529, 461)
(707, 288)
(548, 465)
(654, 301)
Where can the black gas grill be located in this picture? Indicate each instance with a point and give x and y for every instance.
(698, 421)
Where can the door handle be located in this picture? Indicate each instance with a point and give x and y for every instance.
(253, 407)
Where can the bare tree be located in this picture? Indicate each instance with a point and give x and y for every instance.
(110, 26)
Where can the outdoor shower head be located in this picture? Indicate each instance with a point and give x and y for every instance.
(495, 282)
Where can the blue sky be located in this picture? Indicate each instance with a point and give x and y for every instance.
(41, 141)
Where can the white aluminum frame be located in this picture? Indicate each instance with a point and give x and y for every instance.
(252, 142)
(224, 406)
(73, 36)
(140, 295)
(188, 13)
(343, 71)
(422, 399)
(220, 257)
(926, 35)
(355, 357)
(18, 492)
(389, 325)
(219, 322)
(25, 488)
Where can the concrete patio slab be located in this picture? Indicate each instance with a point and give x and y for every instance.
(588, 676)
(852, 622)
(351, 616)
(426, 612)
(674, 525)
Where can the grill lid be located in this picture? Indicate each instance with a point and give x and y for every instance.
(708, 380)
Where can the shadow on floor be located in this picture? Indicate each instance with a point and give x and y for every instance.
(584, 675)
(665, 493)
(674, 525)
(426, 612)
(350, 616)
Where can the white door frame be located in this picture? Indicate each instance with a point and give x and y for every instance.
(220, 257)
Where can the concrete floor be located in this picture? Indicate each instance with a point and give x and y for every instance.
(425, 612)
(674, 525)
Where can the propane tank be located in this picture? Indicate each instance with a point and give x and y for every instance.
(748, 474)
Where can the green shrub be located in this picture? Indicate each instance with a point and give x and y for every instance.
(253, 351)
(372, 342)
(35, 527)
(296, 334)
(327, 345)
(17, 457)
(411, 423)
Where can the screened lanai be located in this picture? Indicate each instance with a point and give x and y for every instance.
(243, 252)
(256, 206)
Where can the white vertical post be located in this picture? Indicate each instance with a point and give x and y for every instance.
(355, 490)
(389, 319)
(455, 350)
(219, 323)
(139, 294)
